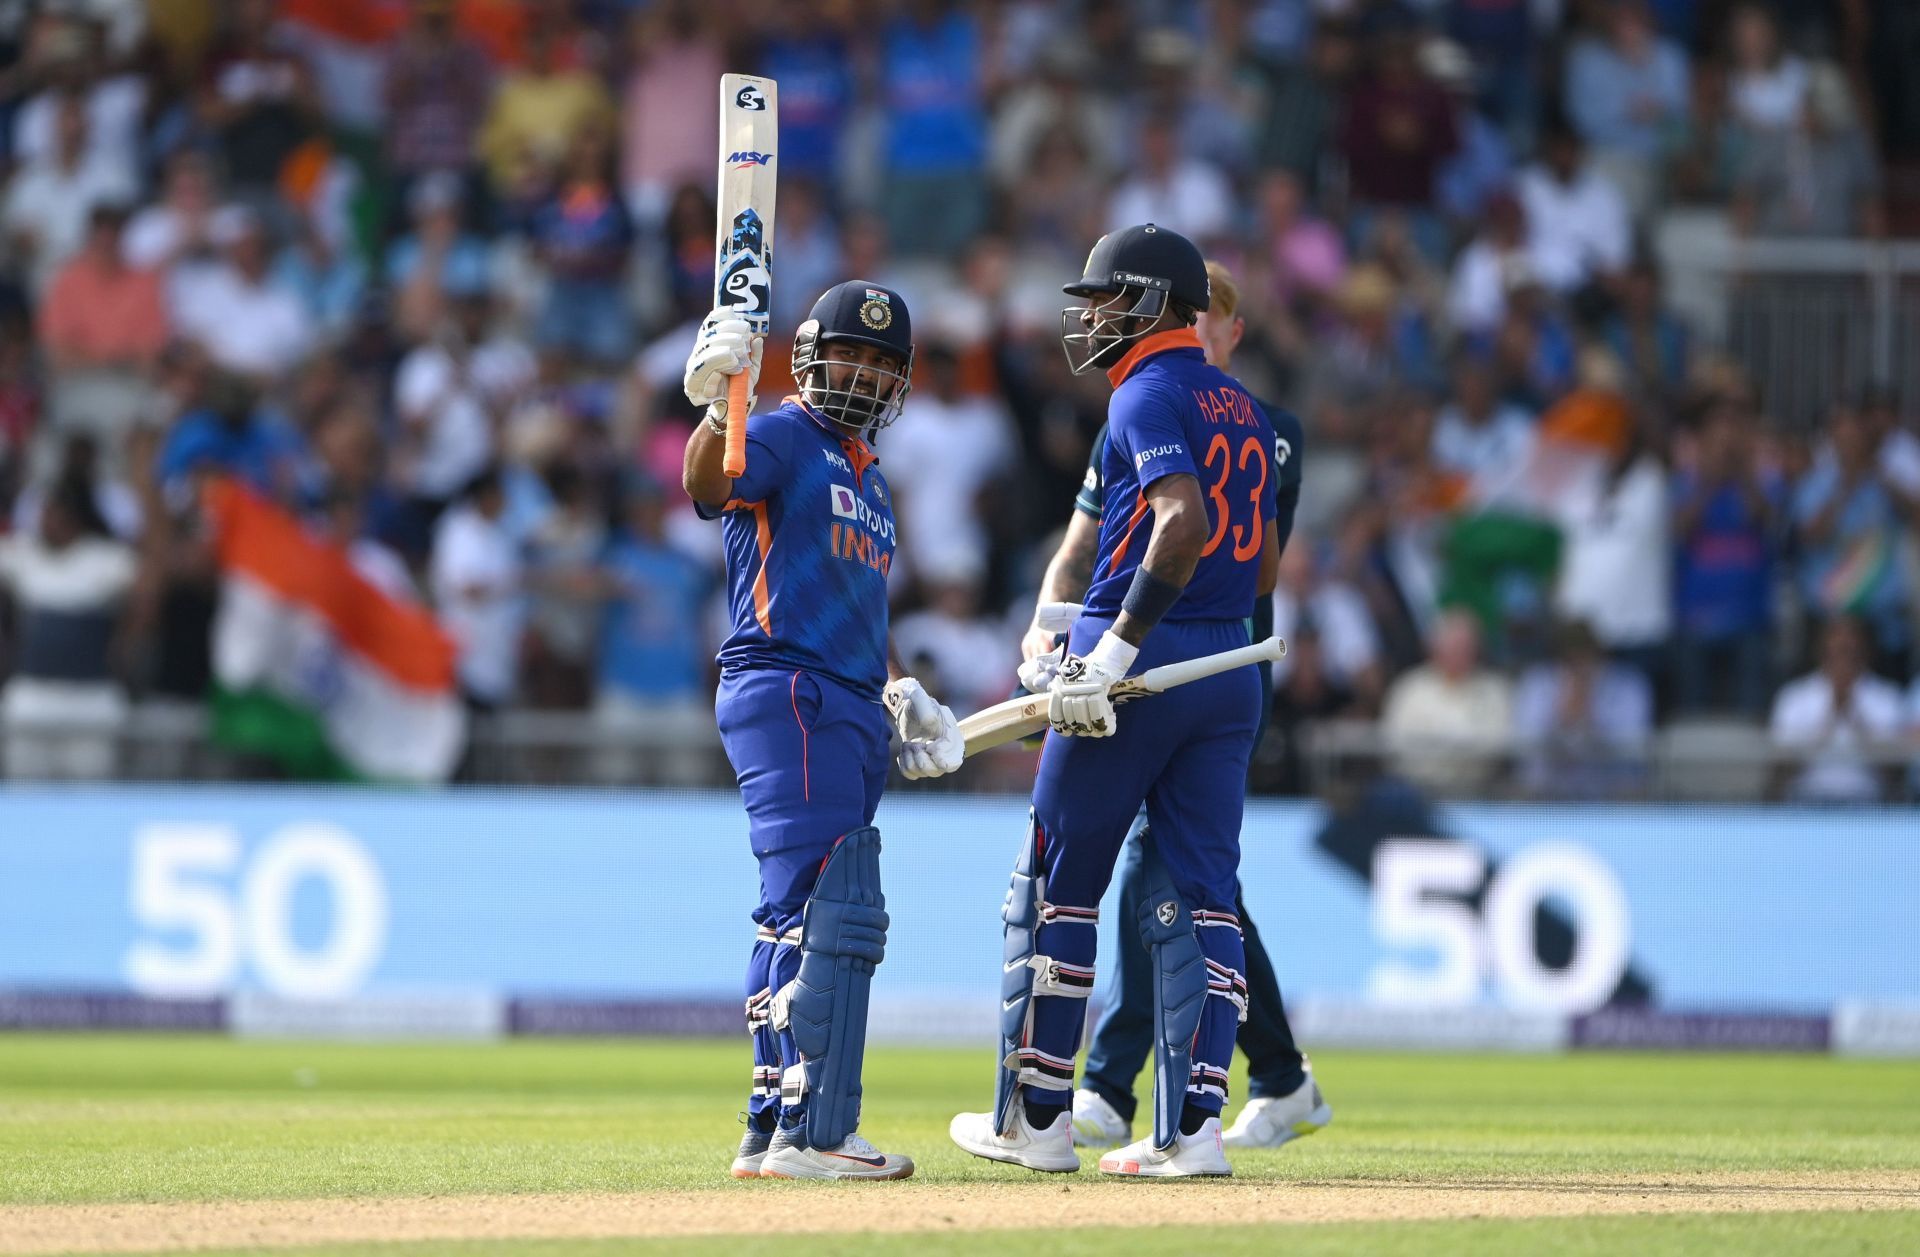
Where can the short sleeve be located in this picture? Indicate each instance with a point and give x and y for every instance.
(769, 462)
(1144, 425)
(1092, 498)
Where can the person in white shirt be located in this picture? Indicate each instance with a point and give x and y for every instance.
(1338, 616)
(50, 201)
(62, 707)
(1578, 228)
(452, 394)
(1448, 720)
(233, 309)
(944, 452)
(1767, 91)
(1616, 570)
(1477, 434)
(1830, 716)
(475, 578)
(1184, 194)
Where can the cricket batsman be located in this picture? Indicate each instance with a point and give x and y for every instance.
(1187, 535)
(807, 682)
(1284, 1100)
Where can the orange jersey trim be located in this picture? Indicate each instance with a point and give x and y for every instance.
(1159, 342)
(1126, 539)
(762, 601)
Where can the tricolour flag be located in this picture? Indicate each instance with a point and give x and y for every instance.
(315, 667)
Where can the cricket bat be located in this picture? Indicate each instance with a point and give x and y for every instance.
(1023, 717)
(743, 249)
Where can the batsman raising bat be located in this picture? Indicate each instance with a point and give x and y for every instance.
(807, 682)
(1186, 537)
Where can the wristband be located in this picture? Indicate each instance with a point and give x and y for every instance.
(1112, 655)
(716, 419)
(1149, 597)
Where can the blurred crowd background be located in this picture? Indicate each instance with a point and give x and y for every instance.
(426, 271)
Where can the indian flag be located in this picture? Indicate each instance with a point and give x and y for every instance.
(315, 667)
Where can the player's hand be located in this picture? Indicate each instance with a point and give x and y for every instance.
(725, 347)
(1037, 672)
(1080, 700)
(1044, 645)
(931, 742)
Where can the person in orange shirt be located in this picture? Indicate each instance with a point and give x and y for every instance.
(99, 313)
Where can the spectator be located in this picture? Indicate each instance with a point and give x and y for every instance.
(72, 63)
(1585, 721)
(1849, 522)
(1482, 166)
(257, 96)
(325, 274)
(1499, 36)
(437, 82)
(1627, 95)
(102, 325)
(971, 656)
(1616, 573)
(1833, 718)
(1817, 177)
(807, 53)
(537, 112)
(1768, 88)
(932, 93)
(232, 435)
(1305, 254)
(1448, 721)
(1348, 660)
(669, 111)
(115, 501)
(62, 708)
(179, 226)
(1897, 445)
(1304, 103)
(1477, 434)
(50, 201)
(475, 577)
(1577, 226)
(247, 323)
(1056, 105)
(1647, 338)
(19, 403)
(1398, 131)
(1727, 514)
(1495, 261)
(439, 260)
(582, 234)
(946, 451)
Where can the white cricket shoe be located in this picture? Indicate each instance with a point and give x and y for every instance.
(1097, 1124)
(753, 1151)
(1198, 1155)
(790, 1157)
(1270, 1121)
(1049, 1151)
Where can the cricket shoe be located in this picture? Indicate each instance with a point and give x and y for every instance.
(791, 1157)
(1270, 1121)
(1198, 1155)
(1049, 1151)
(753, 1151)
(1097, 1124)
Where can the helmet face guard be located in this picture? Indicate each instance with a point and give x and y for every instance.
(1097, 334)
(856, 396)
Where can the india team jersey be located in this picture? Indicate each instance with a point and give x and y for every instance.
(1171, 413)
(810, 538)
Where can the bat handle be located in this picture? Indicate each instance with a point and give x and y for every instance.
(735, 465)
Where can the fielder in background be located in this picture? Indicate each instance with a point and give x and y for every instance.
(1283, 1097)
(807, 679)
(1187, 535)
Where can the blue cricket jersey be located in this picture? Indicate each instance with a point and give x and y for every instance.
(810, 539)
(1171, 413)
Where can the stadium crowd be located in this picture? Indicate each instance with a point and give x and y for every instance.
(425, 271)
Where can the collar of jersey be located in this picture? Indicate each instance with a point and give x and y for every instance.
(1158, 343)
(856, 449)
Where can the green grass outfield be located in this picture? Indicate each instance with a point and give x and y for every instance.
(94, 1119)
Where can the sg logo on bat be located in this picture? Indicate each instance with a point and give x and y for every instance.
(751, 97)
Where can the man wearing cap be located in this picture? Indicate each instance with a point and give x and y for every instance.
(807, 681)
(1187, 537)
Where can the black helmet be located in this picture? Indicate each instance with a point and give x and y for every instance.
(1156, 265)
(858, 313)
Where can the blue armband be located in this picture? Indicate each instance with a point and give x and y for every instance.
(1149, 597)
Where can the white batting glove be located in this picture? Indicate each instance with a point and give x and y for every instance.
(1037, 672)
(932, 745)
(1079, 702)
(725, 347)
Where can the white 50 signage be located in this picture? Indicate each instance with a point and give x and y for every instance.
(203, 914)
(1420, 893)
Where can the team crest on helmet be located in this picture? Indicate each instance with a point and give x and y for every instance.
(877, 310)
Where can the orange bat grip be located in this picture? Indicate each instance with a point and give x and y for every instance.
(736, 460)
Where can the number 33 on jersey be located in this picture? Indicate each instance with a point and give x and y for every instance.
(1171, 413)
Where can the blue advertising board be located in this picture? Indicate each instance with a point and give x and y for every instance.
(308, 894)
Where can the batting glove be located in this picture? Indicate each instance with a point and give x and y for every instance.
(1079, 702)
(932, 744)
(725, 347)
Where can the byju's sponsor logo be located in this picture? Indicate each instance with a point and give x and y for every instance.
(846, 504)
(1159, 451)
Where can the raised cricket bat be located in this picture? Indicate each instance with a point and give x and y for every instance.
(743, 250)
(1023, 717)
